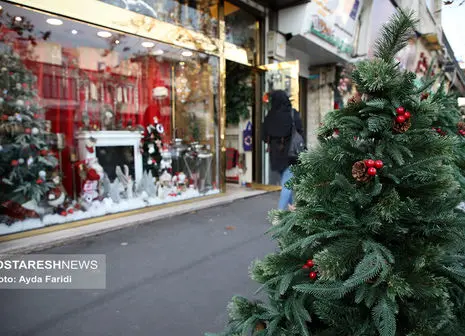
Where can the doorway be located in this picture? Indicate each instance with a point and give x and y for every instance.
(240, 108)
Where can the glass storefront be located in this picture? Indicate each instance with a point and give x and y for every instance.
(198, 15)
(94, 121)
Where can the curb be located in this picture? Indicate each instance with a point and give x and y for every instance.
(66, 236)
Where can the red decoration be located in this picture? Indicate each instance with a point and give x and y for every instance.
(379, 164)
(369, 163)
(424, 95)
(63, 213)
(400, 119)
(305, 266)
(312, 275)
(70, 211)
(36, 116)
(371, 171)
(43, 152)
(92, 175)
(27, 131)
(90, 149)
(407, 115)
(25, 85)
(266, 98)
(400, 110)
(4, 117)
(14, 163)
(310, 263)
(39, 181)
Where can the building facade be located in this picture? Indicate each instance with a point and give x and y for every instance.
(112, 106)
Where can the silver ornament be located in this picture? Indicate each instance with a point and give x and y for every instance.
(42, 174)
(21, 161)
(35, 131)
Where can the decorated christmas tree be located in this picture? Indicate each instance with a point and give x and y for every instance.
(451, 123)
(152, 146)
(26, 161)
(375, 244)
(449, 119)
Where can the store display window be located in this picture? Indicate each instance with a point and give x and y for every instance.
(241, 29)
(94, 122)
(197, 15)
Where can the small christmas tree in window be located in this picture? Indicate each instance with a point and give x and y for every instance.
(152, 146)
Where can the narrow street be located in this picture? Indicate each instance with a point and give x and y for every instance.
(171, 278)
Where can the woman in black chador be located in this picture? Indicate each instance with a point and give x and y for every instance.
(277, 133)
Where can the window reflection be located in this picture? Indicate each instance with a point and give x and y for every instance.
(241, 28)
(198, 15)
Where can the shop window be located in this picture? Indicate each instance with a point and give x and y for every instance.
(198, 15)
(241, 28)
(94, 122)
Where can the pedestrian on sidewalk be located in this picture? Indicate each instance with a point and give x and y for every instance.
(277, 134)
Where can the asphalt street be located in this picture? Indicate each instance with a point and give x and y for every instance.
(170, 278)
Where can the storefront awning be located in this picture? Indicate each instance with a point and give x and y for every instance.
(318, 54)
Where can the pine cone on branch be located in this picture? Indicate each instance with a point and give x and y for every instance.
(359, 172)
(356, 98)
(402, 127)
(461, 125)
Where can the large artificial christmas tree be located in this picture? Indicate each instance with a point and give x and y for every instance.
(26, 161)
(375, 245)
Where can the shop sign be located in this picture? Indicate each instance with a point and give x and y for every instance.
(334, 21)
(247, 137)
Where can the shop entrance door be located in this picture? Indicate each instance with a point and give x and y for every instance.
(276, 76)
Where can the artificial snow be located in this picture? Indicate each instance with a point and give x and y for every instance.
(100, 208)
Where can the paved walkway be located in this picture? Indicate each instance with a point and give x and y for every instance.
(67, 233)
(170, 278)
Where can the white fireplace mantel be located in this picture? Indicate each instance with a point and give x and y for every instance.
(112, 139)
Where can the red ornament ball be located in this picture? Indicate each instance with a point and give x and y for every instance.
(63, 213)
(400, 119)
(43, 152)
(312, 275)
(407, 115)
(371, 171)
(438, 130)
(4, 117)
(14, 163)
(70, 211)
(27, 131)
(369, 163)
(305, 266)
(400, 110)
(310, 263)
(379, 164)
(39, 181)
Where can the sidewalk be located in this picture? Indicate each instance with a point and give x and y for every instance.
(65, 236)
